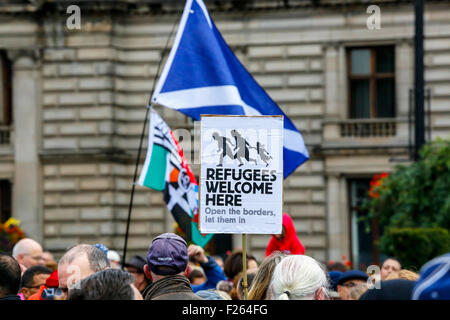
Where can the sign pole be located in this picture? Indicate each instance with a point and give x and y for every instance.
(244, 265)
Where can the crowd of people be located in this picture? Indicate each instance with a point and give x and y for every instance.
(173, 270)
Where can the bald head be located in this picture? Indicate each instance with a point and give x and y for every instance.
(78, 263)
(28, 253)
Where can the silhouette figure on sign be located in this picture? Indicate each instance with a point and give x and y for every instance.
(224, 148)
(242, 147)
(262, 153)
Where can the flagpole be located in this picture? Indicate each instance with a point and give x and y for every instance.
(244, 265)
(130, 206)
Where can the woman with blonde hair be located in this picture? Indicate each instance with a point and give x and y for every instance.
(299, 277)
(403, 274)
(261, 282)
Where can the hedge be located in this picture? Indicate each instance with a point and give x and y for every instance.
(415, 246)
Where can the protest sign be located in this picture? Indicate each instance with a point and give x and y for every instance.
(241, 174)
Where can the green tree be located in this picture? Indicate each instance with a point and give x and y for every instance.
(415, 196)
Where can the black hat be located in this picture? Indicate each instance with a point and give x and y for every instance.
(137, 262)
(352, 274)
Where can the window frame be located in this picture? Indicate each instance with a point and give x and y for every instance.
(375, 225)
(372, 77)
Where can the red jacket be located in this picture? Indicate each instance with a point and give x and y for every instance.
(290, 243)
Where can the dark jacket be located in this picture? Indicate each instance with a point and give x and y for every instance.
(10, 297)
(213, 273)
(396, 289)
(170, 288)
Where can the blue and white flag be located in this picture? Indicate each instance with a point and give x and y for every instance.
(203, 76)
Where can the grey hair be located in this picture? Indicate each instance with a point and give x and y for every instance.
(298, 277)
(109, 284)
(261, 282)
(98, 261)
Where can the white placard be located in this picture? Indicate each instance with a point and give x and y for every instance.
(241, 174)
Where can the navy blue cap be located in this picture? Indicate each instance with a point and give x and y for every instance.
(170, 251)
(352, 274)
(334, 278)
(434, 281)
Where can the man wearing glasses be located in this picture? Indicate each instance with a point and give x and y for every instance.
(28, 253)
(348, 280)
(32, 280)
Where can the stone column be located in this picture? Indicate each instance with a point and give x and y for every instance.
(338, 233)
(335, 81)
(27, 204)
(404, 72)
(331, 81)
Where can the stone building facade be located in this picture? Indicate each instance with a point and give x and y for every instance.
(78, 100)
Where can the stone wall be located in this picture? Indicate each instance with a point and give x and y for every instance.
(95, 83)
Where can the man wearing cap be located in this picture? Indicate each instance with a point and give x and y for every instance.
(167, 260)
(136, 268)
(348, 280)
(334, 278)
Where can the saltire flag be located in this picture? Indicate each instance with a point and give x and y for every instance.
(166, 169)
(203, 76)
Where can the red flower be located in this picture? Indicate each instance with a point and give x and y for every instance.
(376, 182)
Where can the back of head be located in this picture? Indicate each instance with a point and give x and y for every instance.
(240, 286)
(337, 266)
(23, 247)
(225, 286)
(109, 284)
(434, 281)
(403, 274)
(261, 282)
(397, 289)
(334, 278)
(233, 264)
(96, 258)
(298, 277)
(10, 275)
(113, 255)
(167, 255)
(28, 253)
(194, 274)
(28, 275)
